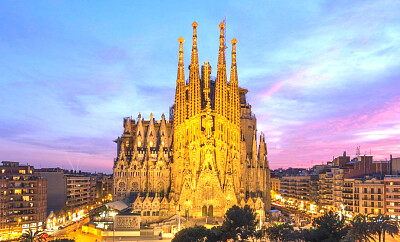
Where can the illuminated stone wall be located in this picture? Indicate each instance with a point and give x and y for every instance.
(205, 159)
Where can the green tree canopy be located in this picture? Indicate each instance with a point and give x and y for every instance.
(239, 223)
(282, 233)
(193, 234)
(327, 228)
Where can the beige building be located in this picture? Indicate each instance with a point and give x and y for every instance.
(276, 185)
(68, 192)
(22, 201)
(363, 195)
(326, 189)
(337, 187)
(392, 195)
(203, 160)
(80, 192)
(296, 189)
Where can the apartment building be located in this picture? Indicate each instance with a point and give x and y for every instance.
(370, 193)
(22, 200)
(392, 195)
(276, 184)
(365, 165)
(104, 187)
(326, 189)
(337, 187)
(68, 192)
(296, 188)
(78, 191)
(348, 195)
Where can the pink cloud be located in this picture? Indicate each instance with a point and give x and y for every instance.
(313, 143)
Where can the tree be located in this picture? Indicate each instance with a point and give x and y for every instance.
(30, 236)
(216, 234)
(239, 223)
(383, 224)
(360, 229)
(329, 227)
(193, 234)
(282, 232)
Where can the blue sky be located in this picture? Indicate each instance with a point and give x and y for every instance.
(323, 76)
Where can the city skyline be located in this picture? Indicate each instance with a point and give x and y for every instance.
(322, 80)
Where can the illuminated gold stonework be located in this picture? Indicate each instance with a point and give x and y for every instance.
(205, 158)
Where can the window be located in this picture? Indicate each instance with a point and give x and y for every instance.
(22, 172)
(365, 190)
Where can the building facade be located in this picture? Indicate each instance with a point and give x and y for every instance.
(392, 195)
(22, 200)
(68, 192)
(203, 160)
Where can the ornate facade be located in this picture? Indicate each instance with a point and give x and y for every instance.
(205, 158)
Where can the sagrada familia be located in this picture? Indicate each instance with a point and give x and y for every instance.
(204, 159)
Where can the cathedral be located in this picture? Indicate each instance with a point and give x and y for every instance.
(204, 158)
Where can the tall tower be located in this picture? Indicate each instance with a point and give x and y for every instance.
(207, 175)
(194, 78)
(221, 82)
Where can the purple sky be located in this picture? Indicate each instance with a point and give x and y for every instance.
(323, 76)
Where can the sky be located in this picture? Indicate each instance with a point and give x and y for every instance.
(323, 76)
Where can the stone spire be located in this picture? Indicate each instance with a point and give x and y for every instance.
(195, 55)
(262, 150)
(234, 88)
(180, 85)
(221, 83)
(194, 78)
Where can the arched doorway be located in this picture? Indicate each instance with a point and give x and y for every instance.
(210, 211)
(204, 211)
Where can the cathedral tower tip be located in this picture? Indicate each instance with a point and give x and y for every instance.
(221, 87)
(179, 113)
(194, 78)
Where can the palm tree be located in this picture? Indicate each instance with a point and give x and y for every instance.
(30, 236)
(361, 229)
(383, 224)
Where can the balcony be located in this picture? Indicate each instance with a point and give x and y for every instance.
(393, 206)
(393, 192)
